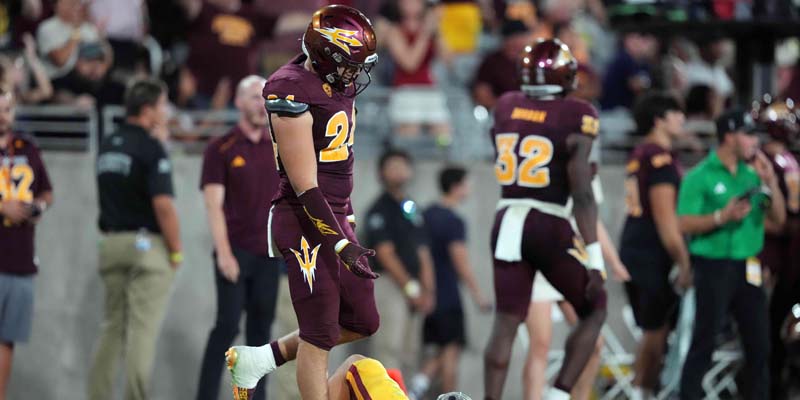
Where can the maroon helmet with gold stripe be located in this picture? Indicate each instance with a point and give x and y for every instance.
(341, 44)
(778, 118)
(547, 68)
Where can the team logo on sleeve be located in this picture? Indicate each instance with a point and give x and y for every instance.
(307, 261)
(340, 37)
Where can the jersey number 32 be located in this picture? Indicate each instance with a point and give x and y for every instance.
(535, 153)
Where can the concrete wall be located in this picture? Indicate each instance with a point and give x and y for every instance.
(69, 296)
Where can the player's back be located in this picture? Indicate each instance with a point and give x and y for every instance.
(530, 140)
(332, 130)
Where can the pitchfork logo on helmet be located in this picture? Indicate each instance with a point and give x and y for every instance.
(341, 45)
(547, 68)
(340, 37)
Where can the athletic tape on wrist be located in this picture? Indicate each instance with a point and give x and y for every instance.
(340, 245)
(595, 259)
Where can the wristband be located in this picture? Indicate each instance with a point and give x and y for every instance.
(412, 289)
(176, 257)
(718, 218)
(595, 258)
(339, 246)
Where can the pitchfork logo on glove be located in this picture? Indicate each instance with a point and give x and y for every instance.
(308, 262)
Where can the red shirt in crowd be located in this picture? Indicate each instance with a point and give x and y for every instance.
(421, 75)
(22, 177)
(222, 43)
(250, 176)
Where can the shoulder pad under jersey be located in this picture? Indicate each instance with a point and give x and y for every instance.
(285, 107)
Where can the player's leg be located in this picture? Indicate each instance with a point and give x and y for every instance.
(432, 353)
(449, 359)
(312, 371)
(6, 357)
(513, 283)
(570, 277)
(337, 383)
(583, 388)
(540, 329)
(230, 303)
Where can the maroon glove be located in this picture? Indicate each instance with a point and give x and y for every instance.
(320, 213)
(354, 258)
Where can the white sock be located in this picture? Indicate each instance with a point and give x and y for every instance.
(420, 384)
(557, 394)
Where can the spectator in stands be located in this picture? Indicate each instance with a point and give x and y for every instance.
(497, 73)
(708, 68)
(416, 101)
(396, 231)
(22, 203)
(723, 207)
(14, 12)
(60, 37)
(651, 238)
(223, 36)
(630, 72)
(123, 24)
(445, 327)
(238, 181)
(25, 75)
(89, 85)
(140, 249)
(703, 106)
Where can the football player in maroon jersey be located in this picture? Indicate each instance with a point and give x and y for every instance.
(779, 120)
(311, 109)
(542, 141)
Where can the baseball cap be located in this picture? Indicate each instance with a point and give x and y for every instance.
(736, 120)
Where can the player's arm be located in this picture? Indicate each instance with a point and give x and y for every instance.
(293, 135)
(584, 207)
(167, 219)
(610, 253)
(662, 202)
(427, 279)
(460, 256)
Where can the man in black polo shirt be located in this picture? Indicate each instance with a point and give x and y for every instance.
(238, 182)
(395, 230)
(141, 247)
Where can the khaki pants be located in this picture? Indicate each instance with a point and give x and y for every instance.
(397, 342)
(137, 287)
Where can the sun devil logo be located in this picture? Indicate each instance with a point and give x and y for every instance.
(340, 37)
(308, 262)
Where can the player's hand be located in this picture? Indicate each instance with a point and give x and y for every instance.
(16, 211)
(228, 266)
(354, 258)
(764, 168)
(620, 272)
(596, 284)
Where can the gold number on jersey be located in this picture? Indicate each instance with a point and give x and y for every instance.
(793, 189)
(537, 152)
(23, 175)
(633, 203)
(339, 128)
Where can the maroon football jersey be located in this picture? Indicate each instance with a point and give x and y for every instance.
(334, 124)
(787, 171)
(648, 165)
(22, 177)
(530, 141)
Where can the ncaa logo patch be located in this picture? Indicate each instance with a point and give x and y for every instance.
(307, 261)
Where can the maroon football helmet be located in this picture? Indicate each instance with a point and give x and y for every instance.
(341, 44)
(547, 68)
(778, 118)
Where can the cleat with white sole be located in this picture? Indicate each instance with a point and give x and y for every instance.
(248, 365)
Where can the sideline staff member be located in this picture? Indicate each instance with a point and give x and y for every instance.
(722, 204)
(141, 247)
(238, 181)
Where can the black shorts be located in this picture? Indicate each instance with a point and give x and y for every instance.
(444, 327)
(650, 292)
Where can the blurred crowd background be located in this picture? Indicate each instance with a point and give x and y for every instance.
(442, 65)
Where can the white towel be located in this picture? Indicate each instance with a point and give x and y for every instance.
(509, 238)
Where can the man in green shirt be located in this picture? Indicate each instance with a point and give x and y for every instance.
(722, 205)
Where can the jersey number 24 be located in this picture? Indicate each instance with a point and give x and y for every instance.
(342, 132)
(535, 153)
